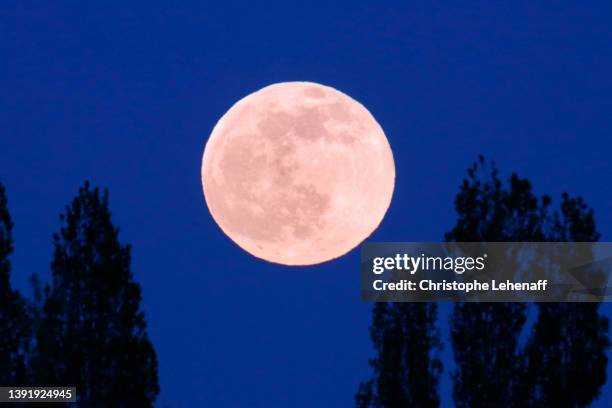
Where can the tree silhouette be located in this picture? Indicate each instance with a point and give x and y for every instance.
(92, 333)
(14, 319)
(406, 369)
(567, 353)
(564, 361)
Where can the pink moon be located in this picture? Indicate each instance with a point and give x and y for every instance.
(298, 173)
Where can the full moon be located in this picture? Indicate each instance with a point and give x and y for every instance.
(298, 173)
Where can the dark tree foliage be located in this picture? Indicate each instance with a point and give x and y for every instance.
(564, 361)
(14, 320)
(406, 368)
(566, 354)
(92, 332)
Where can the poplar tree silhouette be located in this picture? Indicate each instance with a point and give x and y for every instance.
(406, 368)
(566, 354)
(564, 361)
(92, 333)
(14, 319)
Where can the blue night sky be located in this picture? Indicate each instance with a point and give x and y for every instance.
(126, 96)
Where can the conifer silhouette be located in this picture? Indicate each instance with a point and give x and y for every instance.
(14, 319)
(92, 332)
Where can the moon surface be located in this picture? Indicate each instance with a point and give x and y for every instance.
(298, 173)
